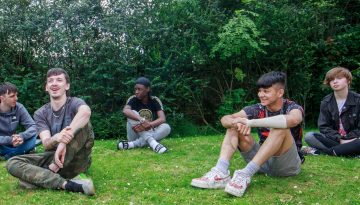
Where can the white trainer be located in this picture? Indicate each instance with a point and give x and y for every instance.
(214, 179)
(309, 150)
(238, 183)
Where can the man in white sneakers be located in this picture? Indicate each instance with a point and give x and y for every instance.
(145, 119)
(279, 125)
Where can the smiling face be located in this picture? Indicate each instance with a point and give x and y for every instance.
(271, 95)
(56, 86)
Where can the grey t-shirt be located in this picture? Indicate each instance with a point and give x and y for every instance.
(47, 119)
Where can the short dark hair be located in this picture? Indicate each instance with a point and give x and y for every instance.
(143, 81)
(7, 88)
(269, 79)
(58, 71)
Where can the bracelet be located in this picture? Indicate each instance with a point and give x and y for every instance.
(142, 120)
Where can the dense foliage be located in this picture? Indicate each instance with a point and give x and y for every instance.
(202, 56)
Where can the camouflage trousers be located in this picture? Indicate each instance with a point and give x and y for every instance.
(33, 168)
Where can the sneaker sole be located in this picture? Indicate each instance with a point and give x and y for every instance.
(234, 192)
(117, 145)
(207, 186)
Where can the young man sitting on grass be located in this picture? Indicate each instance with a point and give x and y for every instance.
(278, 121)
(146, 121)
(339, 118)
(13, 114)
(64, 127)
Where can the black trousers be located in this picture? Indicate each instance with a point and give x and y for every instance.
(335, 148)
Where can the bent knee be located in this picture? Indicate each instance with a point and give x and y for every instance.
(11, 164)
(309, 137)
(167, 128)
(280, 131)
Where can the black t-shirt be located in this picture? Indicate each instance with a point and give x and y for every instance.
(147, 111)
(258, 111)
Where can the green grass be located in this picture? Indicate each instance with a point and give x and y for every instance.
(142, 177)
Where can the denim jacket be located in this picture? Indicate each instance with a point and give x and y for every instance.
(328, 121)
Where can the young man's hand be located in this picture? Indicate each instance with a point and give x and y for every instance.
(60, 155)
(342, 141)
(54, 168)
(65, 136)
(138, 128)
(146, 124)
(17, 140)
(239, 120)
(243, 130)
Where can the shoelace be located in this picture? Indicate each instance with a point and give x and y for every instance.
(158, 147)
(239, 177)
(212, 173)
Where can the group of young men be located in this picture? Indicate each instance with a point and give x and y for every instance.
(64, 128)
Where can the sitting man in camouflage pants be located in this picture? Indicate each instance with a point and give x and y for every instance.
(66, 133)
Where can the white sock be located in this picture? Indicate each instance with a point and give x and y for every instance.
(153, 143)
(157, 147)
(131, 145)
(223, 165)
(251, 168)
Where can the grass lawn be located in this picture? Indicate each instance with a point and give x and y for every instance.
(142, 177)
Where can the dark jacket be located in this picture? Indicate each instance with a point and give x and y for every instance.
(328, 121)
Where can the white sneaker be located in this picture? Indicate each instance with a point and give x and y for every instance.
(214, 179)
(122, 144)
(238, 184)
(160, 149)
(309, 150)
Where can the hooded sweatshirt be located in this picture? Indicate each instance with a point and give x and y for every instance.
(9, 122)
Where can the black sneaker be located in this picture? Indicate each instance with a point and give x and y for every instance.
(87, 185)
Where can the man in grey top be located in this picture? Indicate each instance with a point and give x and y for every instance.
(13, 114)
(64, 127)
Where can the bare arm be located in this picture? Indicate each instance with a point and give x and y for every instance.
(48, 141)
(161, 119)
(229, 121)
(292, 119)
(81, 118)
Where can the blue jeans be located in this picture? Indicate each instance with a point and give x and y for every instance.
(10, 151)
